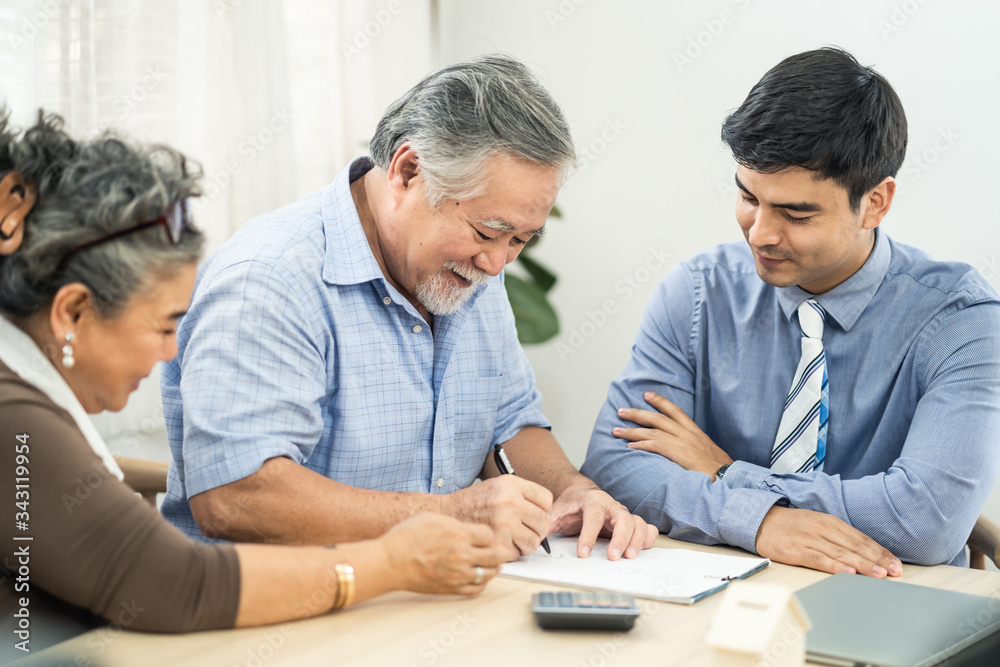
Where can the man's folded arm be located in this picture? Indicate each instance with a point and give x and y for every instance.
(684, 504)
(681, 503)
(924, 506)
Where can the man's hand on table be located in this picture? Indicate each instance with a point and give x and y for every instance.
(822, 542)
(584, 509)
(671, 433)
(786, 535)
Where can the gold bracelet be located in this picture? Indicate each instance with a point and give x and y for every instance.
(345, 585)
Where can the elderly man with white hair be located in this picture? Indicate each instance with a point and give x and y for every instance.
(351, 359)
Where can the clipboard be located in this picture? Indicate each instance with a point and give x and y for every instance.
(681, 576)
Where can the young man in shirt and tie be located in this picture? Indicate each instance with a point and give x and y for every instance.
(821, 395)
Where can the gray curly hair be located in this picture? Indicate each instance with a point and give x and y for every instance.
(459, 117)
(87, 190)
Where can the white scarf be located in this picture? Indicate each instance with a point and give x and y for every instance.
(22, 356)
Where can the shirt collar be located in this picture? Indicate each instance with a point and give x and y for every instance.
(845, 302)
(349, 259)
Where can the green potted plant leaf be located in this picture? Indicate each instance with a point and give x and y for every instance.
(534, 316)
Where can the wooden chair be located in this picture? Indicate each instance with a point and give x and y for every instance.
(984, 542)
(147, 477)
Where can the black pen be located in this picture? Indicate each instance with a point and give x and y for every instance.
(505, 468)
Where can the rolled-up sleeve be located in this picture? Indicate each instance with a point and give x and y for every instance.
(253, 377)
(520, 401)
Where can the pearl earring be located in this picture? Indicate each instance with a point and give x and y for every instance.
(68, 361)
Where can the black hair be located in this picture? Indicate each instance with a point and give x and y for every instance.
(822, 111)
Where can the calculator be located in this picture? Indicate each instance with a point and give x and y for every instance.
(584, 610)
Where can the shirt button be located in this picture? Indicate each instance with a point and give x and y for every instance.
(386, 300)
(440, 482)
(417, 329)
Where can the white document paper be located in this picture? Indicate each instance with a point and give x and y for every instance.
(669, 575)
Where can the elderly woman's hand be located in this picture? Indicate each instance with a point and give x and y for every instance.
(433, 553)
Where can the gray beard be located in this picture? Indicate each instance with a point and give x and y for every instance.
(441, 297)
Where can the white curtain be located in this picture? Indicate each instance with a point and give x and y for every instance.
(271, 97)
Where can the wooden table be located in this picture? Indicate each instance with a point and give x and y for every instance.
(495, 628)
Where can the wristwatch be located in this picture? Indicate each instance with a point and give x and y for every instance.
(720, 472)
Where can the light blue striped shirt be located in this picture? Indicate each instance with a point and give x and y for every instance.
(296, 345)
(913, 357)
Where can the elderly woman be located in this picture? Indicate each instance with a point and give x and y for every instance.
(92, 283)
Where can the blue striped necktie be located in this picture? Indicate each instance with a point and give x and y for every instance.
(800, 445)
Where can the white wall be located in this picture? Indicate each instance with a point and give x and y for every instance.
(658, 178)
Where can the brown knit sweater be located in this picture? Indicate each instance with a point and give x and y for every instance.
(95, 544)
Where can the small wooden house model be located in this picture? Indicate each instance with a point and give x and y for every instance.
(758, 625)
